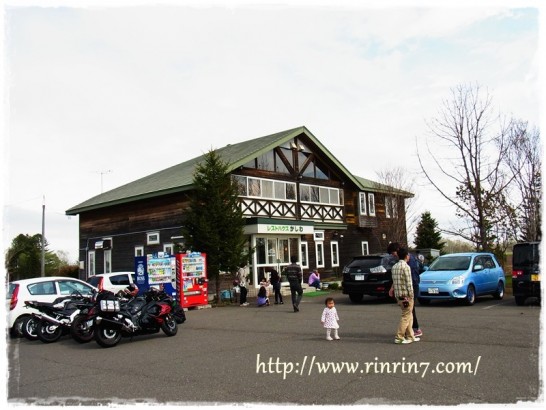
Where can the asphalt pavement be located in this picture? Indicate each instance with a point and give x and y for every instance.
(486, 353)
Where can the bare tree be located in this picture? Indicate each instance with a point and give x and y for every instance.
(524, 160)
(396, 185)
(475, 147)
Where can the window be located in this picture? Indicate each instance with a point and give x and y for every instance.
(362, 197)
(153, 238)
(120, 280)
(304, 255)
(320, 195)
(319, 248)
(168, 248)
(319, 235)
(365, 248)
(42, 288)
(139, 250)
(391, 207)
(265, 188)
(334, 248)
(91, 263)
(107, 261)
(371, 204)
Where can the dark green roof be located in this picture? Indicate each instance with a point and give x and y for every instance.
(179, 177)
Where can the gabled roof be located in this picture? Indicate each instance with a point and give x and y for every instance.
(179, 178)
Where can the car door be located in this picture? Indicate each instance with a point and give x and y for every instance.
(479, 277)
(490, 273)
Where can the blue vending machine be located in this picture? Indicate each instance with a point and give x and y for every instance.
(156, 270)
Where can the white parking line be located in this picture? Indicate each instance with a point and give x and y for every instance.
(495, 305)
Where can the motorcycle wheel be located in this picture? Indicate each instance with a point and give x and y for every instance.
(80, 330)
(29, 328)
(48, 332)
(169, 326)
(107, 337)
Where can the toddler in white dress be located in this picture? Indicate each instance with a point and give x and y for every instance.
(329, 319)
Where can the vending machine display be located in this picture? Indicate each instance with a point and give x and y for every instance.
(157, 270)
(191, 279)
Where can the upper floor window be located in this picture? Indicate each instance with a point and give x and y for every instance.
(320, 195)
(366, 204)
(391, 207)
(265, 188)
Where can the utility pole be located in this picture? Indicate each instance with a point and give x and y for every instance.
(43, 238)
(101, 174)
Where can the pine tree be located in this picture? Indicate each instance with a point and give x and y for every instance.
(214, 220)
(427, 233)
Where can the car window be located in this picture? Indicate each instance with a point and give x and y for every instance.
(42, 288)
(94, 281)
(488, 262)
(120, 279)
(68, 287)
(451, 263)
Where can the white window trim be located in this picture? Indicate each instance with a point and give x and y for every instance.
(137, 249)
(334, 244)
(367, 245)
(362, 203)
(306, 253)
(150, 240)
(168, 245)
(107, 258)
(321, 253)
(371, 204)
(388, 206)
(323, 201)
(274, 181)
(318, 235)
(91, 263)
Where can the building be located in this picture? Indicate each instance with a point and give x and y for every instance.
(297, 197)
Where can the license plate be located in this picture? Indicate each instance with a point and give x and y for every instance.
(360, 277)
(535, 278)
(433, 291)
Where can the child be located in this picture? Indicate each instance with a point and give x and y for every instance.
(262, 299)
(329, 319)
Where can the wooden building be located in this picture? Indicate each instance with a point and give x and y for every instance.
(297, 197)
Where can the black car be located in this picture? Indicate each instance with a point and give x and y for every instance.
(367, 275)
(526, 271)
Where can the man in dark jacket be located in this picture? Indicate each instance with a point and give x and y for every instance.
(294, 275)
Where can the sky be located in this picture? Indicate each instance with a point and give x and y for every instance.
(98, 94)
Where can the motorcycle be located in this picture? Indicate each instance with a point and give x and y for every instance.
(52, 319)
(138, 316)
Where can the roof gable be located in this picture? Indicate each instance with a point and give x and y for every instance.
(179, 178)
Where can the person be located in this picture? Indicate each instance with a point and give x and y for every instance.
(294, 275)
(275, 280)
(403, 291)
(262, 299)
(415, 280)
(242, 277)
(329, 319)
(314, 279)
(420, 257)
(413, 263)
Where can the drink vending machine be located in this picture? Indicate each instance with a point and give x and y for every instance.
(156, 270)
(191, 279)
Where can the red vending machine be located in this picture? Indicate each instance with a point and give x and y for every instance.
(191, 279)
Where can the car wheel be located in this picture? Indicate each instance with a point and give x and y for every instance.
(17, 329)
(470, 295)
(520, 300)
(423, 302)
(499, 293)
(355, 297)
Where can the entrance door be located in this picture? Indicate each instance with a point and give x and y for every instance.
(275, 252)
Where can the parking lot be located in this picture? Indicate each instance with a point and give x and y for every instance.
(486, 353)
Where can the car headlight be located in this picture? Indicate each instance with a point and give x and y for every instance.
(345, 269)
(457, 280)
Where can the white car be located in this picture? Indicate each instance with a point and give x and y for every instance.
(113, 281)
(42, 289)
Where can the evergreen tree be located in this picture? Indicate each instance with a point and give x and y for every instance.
(214, 220)
(427, 233)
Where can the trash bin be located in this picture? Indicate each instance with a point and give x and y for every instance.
(225, 294)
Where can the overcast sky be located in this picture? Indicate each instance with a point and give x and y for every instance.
(98, 96)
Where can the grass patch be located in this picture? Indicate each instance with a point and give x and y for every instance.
(315, 293)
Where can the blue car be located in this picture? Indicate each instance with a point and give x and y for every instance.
(462, 276)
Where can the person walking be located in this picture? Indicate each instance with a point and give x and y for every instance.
(294, 275)
(242, 277)
(275, 280)
(329, 319)
(403, 291)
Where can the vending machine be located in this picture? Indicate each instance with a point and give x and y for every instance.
(157, 270)
(191, 279)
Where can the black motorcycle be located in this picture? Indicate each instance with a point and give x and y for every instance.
(141, 315)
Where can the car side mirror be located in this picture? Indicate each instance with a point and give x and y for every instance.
(477, 268)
